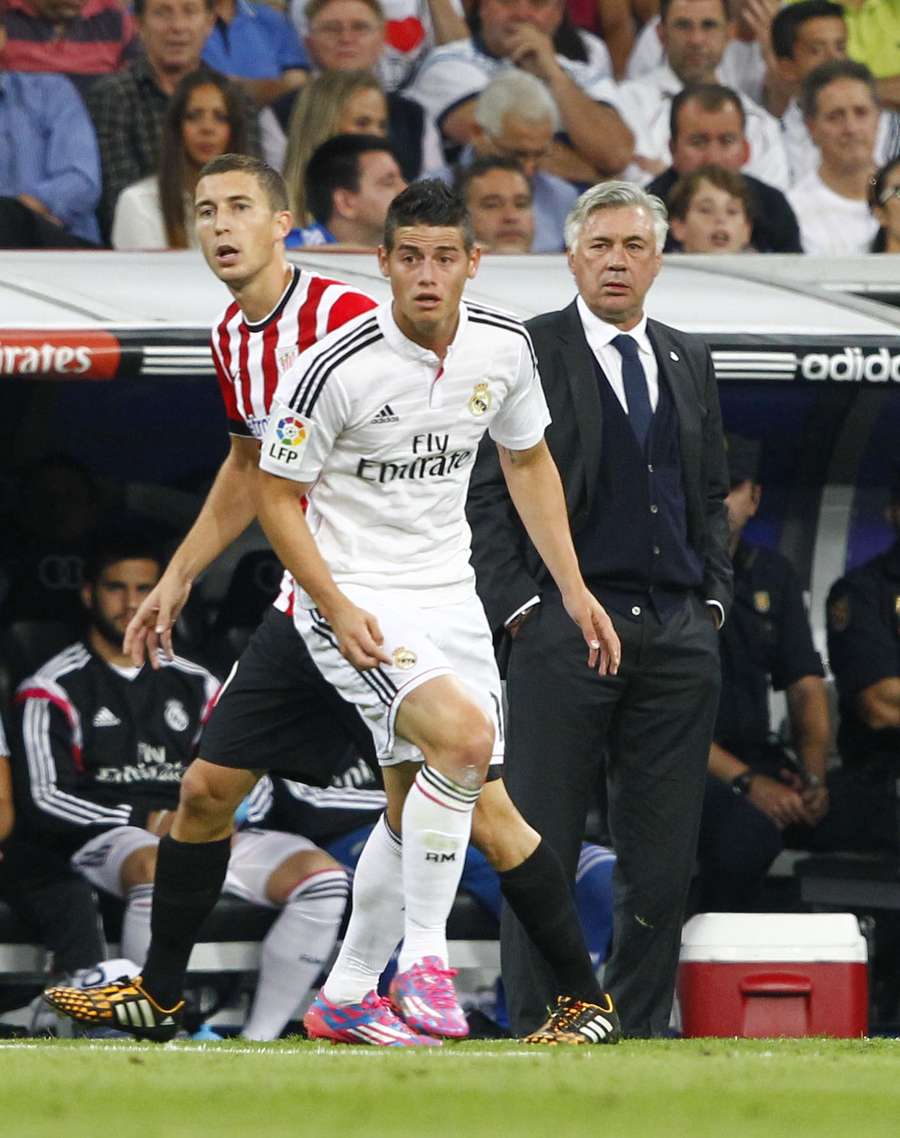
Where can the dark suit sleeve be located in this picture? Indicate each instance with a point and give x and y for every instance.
(502, 578)
(717, 570)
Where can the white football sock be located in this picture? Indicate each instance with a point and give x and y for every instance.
(295, 951)
(376, 919)
(437, 822)
(136, 922)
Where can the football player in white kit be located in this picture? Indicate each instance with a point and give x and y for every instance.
(379, 424)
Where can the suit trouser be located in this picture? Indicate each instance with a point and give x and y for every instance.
(653, 724)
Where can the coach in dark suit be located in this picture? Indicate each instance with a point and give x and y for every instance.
(637, 437)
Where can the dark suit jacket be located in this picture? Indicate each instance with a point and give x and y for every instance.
(507, 567)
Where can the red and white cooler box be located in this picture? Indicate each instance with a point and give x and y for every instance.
(757, 975)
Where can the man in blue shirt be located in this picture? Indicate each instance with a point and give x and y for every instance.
(258, 46)
(49, 163)
(350, 181)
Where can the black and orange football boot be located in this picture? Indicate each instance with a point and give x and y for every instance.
(123, 1005)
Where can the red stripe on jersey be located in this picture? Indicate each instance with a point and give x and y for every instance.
(225, 381)
(347, 306)
(307, 317)
(270, 362)
(65, 707)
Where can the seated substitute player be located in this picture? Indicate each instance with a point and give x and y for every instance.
(380, 424)
(103, 743)
(276, 712)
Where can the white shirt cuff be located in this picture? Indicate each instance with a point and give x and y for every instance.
(521, 610)
(720, 610)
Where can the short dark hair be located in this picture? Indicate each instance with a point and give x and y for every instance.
(335, 166)
(682, 193)
(270, 180)
(788, 22)
(122, 538)
(711, 97)
(665, 5)
(140, 6)
(466, 175)
(831, 72)
(428, 202)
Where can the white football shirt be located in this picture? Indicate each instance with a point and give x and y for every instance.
(388, 436)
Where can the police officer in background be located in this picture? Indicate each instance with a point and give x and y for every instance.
(756, 789)
(864, 652)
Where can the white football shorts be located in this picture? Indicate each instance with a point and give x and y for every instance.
(423, 643)
(254, 855)
(100, 860)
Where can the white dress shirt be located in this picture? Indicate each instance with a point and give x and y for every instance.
(645, 105)
(600, 335)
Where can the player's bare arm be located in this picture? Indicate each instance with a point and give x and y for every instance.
(228, 510)
(536, 491)
(281, 516)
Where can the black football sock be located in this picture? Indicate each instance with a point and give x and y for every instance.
(189, 877)
(537, 892)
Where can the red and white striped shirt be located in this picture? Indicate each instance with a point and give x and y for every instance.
(251, 358)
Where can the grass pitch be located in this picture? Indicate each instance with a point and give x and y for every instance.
(676, 1089)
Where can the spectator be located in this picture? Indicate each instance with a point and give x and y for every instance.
(49, 166)
(710, 211)
(79, 38)
(257, 45)
(515, 117)
(694, 34)
(350, 182)
(612, 21)
(707, 126)
(756, 789)
(336, 102)
(872, 30)
(204, 119)
(831, 203)
(804, 36)
(128, 108)
(410, 28)
(498, 197)
(884, 201)
(864, 653)
(521, 35)
(348, 35)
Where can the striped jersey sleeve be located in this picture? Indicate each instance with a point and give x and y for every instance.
(52, 746)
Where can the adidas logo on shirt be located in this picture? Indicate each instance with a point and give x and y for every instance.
(386, 415)
(105, 718)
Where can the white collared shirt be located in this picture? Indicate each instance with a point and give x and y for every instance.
(645, 105)
(600, 335)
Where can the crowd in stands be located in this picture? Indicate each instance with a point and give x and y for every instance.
(107, 113)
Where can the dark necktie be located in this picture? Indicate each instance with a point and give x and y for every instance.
(637, 394)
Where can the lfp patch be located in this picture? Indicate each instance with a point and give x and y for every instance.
(284, 441)
(290, 431)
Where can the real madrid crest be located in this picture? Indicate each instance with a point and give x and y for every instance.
(761, 601)
(481, 399)
(404, 658)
